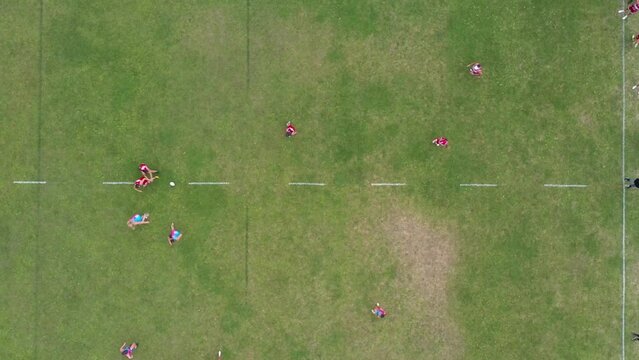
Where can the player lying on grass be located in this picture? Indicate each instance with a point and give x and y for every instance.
(128, 350)
(290, 130)
(379, 311)
(142, 183)
(632, 9)
(475, 69)
(174, 236)
(147, 171)
(138, 219)
(440, 141)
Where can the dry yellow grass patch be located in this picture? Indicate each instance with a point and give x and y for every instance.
(428, 255)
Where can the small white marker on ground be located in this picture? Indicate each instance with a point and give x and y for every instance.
(32, 182)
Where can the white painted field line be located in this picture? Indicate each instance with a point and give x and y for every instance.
(566, 185)
(117, 183)
(32, 182)
(623, 187)
(479, 185)
(209, 183)
(388, 184)
(306, 184)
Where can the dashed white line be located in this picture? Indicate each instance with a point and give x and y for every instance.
(209, 183)
(306, 184)
(479, 185)
(388, 184)
(566, 185)
(117, 183)
(32, 182)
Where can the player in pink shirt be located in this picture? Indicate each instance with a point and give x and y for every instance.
(174, 236)
(440, 141)
(128, 350)
(379, 311)
(290, 130)
(475, 69)
(147, 171)
(632, 9)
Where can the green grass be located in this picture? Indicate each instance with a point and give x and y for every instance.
(269, 271)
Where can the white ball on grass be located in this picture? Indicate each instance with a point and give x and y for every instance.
(172, 184)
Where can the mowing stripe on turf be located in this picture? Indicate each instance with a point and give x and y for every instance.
(32, 182)
(479, 185)
(210, 183)
(388, 184)
(565, 185)
(117, 183)
(306, 184)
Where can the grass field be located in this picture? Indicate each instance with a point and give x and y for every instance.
(202, 90)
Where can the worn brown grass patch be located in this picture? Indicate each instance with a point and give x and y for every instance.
(428, 255)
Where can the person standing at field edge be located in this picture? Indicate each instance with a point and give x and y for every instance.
(632, 9)
(128, 350)
(634, 183)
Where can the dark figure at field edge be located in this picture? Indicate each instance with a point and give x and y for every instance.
(634, 183)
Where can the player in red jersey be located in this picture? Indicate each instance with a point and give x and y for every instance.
(635, 39)
(290, 130)
(142, 182)
(147, 171)
(379, 311)
(632, 9)
(475, 69)
(440, 141)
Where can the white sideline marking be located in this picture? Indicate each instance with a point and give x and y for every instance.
(480, 185)
(565, 185)
(210, 183)
(117, 183)
(623, 188)
(388, 184)
(305, 184)
(29, 182)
